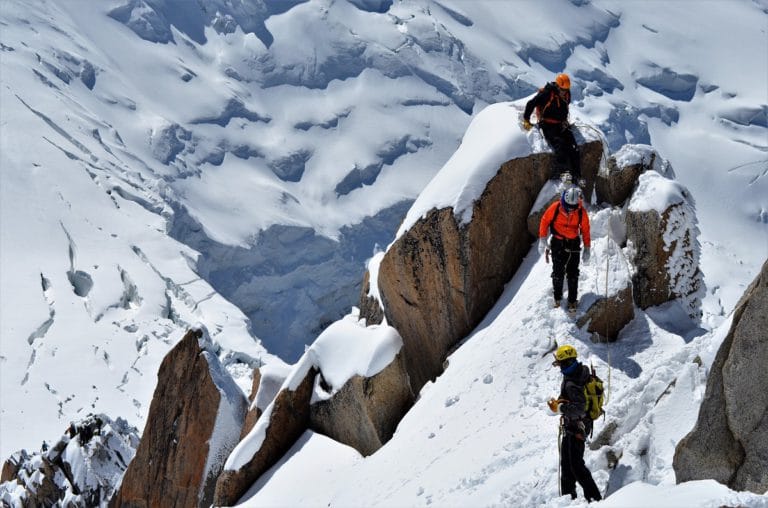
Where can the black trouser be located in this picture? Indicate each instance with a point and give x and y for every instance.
(565, 263)
(573, 469)
(560, 138)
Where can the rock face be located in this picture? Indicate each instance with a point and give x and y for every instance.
(607, 316)
(614, 185)
(665, 257)
(369, 306)
(193, 424)
(365, 411)
(617, 179)
(254, 412)
(288, 419)
(84, 467)
(439, 279)
(730, 438)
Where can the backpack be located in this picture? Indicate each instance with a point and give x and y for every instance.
(552, 97)
(595, 395)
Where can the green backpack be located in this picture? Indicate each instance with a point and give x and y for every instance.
(593, 391)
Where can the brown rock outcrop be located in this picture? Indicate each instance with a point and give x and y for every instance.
(365, 411)
(176, 459)
(730, 438)
(614, 185)
(617, 179)
(607, 316)
(439, 279)
(288, 419)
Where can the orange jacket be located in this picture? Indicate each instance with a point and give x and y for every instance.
(566, 223)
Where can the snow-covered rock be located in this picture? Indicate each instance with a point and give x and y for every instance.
(84, 468)
(618, 177)
(663, 244)
(355, 376)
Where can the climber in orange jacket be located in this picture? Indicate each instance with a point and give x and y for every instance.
(568, 222)
(551, 105)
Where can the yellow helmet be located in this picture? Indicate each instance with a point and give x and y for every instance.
(563, 81)
(565, 352)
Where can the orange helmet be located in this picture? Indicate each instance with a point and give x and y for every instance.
(563, 81)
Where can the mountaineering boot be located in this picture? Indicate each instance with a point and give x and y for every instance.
(557, 304)
(572, 306)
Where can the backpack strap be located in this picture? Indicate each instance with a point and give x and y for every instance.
(554, 218)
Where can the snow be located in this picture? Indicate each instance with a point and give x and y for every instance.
(656, 193)
(273, 375)
(328, 460)
(348, 348)
(698, 494)
(635, 154)
(146, 186)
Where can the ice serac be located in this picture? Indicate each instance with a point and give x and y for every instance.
(729, 440)
(193, 423)
(441, 277)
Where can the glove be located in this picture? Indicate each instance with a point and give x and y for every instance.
(527, 124)
(585, 255)
(554, 405)
(542, 245)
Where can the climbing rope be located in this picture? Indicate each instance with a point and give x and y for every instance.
(607, 269)
(559, 456)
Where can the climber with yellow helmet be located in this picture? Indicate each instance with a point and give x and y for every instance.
(551, 105)
(575, 423)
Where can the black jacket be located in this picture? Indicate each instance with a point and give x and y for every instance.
(549, 104)
(575, 410)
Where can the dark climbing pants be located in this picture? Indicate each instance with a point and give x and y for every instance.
(573, 469)
(565, 263)
(560, 138)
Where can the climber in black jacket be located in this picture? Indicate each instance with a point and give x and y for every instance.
(551, 105)
(576, 425)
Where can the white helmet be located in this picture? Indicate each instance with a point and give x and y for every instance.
(571, 196)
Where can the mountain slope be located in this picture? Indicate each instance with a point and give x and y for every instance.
(482, 435)
(162, 165)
